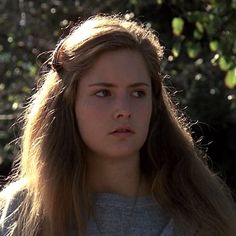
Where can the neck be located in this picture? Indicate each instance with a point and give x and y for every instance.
(121, 176)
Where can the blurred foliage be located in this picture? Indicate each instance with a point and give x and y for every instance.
(200, 58)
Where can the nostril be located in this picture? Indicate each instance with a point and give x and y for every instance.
(122, 114)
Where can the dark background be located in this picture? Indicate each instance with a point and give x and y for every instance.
(200, 61)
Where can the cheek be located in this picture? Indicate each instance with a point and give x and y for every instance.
(149, 108)
(146, 111)
(84, 120)
(147, 116)
(142, 117)
(88, 116)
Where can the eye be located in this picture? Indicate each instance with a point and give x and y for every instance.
(139, 93)
(103, 93)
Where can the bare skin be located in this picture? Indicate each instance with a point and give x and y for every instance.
(122, 178)
(113, 109)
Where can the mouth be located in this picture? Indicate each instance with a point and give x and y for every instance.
(122, 130)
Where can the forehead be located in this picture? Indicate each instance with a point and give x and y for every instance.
(122, 66)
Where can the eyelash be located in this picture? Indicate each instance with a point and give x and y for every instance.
(107, 93)
(104, 91)
(140, 93)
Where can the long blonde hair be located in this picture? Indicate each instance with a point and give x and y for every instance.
(53, 166)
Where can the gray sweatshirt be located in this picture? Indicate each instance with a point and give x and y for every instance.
(114, 215)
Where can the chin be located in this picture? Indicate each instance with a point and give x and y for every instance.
(123, 154)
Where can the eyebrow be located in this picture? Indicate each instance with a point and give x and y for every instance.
(109, 85)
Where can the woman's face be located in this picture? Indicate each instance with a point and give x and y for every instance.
(114, 104)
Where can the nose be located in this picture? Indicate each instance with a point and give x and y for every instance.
(122, 114)
(122, 109)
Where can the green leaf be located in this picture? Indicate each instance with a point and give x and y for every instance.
(15, 105)
(230, 78)
(177, 25)
(25, 89)
(197, 34)
(194, 16)
(32, 70)
(224, 63)
(210, 27)
(215, 59)
(233, 4)
(214, 45)
(193, 49)
(176, 49)
(159, 2)
(234, 47)
(134, 2)
(199, 27)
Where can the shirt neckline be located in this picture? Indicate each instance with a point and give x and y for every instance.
(118, 200)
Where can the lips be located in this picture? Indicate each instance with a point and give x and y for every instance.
(122, 130)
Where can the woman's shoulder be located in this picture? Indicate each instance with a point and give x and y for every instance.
(10, 201)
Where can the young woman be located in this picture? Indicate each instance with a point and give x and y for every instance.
(104, 151)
